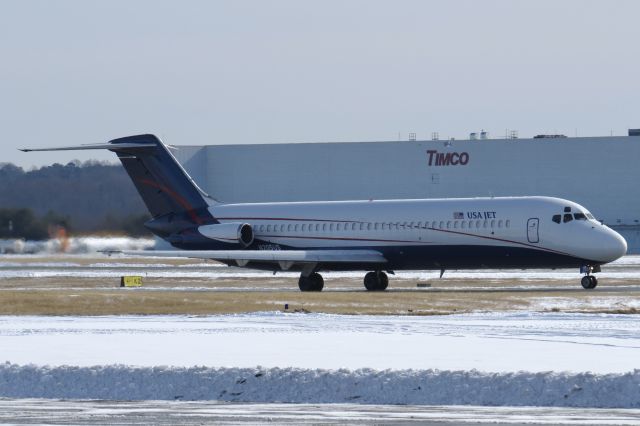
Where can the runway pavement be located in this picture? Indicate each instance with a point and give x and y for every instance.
(88, 412)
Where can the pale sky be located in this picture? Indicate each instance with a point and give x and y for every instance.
(217, 72)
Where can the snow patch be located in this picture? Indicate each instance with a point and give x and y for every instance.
(292, 385)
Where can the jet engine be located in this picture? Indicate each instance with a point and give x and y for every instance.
(234, 233)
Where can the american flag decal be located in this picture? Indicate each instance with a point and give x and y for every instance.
(458, 215)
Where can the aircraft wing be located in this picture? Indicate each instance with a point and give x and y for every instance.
(285, 258)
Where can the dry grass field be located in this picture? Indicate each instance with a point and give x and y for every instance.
(68, 292)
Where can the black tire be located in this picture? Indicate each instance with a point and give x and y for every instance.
(376, 281)
(317, 281)
(371, 281)
(594, 281)
(313, 282)
(304, 283)
(383, 281)
(586, 282)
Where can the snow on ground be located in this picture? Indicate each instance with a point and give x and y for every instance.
(291, 385)
(491, 342)
(481, 359)
(187, 413)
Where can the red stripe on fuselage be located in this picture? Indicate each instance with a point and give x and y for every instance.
(414, 242)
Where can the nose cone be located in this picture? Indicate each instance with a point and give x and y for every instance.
(613, 247)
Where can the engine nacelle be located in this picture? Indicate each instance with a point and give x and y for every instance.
(234, 233)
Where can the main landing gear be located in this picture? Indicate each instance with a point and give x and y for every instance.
(376, 281)
(313, 282)
(589, 281)
(373, 281)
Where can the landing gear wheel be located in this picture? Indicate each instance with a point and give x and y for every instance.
(313, 282)
(376, 281)
(384, 281)
(586, 282)
(589, 282)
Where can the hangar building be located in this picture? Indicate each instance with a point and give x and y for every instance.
(601, 173)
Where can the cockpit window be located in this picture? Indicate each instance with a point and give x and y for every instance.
(556, 218)
(590, 216)
(580, 216)
(568, 217)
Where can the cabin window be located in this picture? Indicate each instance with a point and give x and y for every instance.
(478, 224)
(295, 228)
(486, 223)
(507, 223)
(324, 226)
(579, 216)
(567, 209)
(455, 224)
(361, 226)
(463, 224)
(493, 223)
(441, 224)
(557, 218)
(268, 228)
(376, 226)
(500, 223)
(331, 227)
(426, 225)
(448, 224)
(261, 228)
(304, 227)
(369, 226)
(568, 217)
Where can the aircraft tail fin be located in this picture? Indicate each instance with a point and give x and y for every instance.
(165, 187)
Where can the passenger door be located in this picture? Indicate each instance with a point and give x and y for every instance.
(532, 230)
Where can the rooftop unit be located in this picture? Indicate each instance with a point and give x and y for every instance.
(549, 136)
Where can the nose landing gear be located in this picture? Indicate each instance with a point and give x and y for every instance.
(589, 281)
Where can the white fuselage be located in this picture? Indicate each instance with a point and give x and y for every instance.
(475, 228)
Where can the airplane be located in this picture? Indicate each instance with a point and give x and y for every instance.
(377, 236)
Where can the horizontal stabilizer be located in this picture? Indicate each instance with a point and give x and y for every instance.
(110, 146)
(295, 256)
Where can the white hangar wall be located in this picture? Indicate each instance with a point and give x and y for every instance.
(602, 173)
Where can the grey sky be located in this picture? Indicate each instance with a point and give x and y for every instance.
(203, 72)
